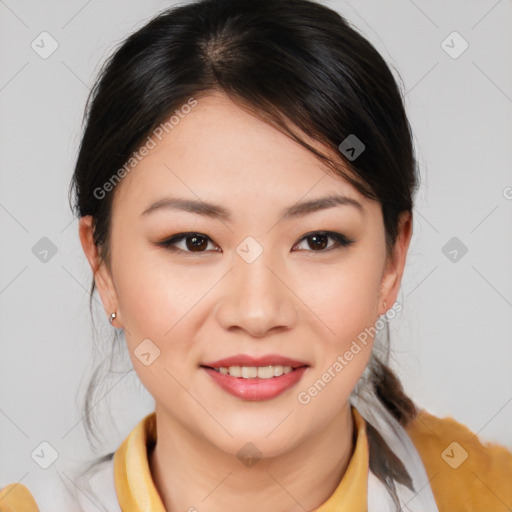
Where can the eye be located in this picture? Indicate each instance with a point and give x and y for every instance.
(197, 242)
(193, 242)
(319, 240)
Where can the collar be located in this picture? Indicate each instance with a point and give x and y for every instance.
(136, 489)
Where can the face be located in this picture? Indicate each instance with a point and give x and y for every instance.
(244, 279)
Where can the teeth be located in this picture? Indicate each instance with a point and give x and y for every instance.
(251, 372)
(278, 370)
(235, 371)
(265, 372)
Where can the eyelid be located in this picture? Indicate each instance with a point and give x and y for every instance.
(341, 241)
(168, 243)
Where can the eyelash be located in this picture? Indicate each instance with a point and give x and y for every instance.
(341, 241)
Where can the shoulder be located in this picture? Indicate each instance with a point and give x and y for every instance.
(16, 496)
(35, 494)
(465, 472)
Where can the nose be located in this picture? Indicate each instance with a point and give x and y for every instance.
(256, 299)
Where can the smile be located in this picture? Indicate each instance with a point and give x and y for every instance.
(251, 372)
(242, 384)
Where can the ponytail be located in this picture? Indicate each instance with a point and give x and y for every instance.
(390, 392)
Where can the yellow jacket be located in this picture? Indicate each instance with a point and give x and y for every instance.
(466, 474)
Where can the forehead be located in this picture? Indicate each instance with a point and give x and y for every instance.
(220, 151)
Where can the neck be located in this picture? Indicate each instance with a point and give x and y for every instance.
(192, 474)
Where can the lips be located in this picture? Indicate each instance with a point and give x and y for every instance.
(246, 360)
(256, 389)
(287, 373)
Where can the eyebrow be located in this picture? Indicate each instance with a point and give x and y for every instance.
(217, 211)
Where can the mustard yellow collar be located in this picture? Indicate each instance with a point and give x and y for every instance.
(136, 491)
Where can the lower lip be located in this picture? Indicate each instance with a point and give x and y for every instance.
(256, 389)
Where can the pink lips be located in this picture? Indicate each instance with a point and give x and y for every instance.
(255, 388)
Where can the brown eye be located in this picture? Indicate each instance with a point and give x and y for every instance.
(193, 242)
(318, 241)
(196, 243)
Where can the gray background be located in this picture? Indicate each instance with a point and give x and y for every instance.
(452, 341)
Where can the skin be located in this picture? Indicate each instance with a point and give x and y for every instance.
(295, 300)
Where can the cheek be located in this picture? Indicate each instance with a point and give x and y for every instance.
(154, 296)
(157, 305)
(345, 302)
(342, 354)
(344, 299)
(162, 304)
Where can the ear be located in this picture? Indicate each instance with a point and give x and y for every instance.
(395, 264)
(102, 276)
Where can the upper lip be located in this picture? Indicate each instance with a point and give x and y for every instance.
(246, 360)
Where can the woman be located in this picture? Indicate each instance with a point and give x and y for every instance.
(245, 189)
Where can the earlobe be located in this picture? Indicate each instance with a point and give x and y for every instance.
(102, 277)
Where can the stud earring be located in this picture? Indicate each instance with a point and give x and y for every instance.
(112, 317)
